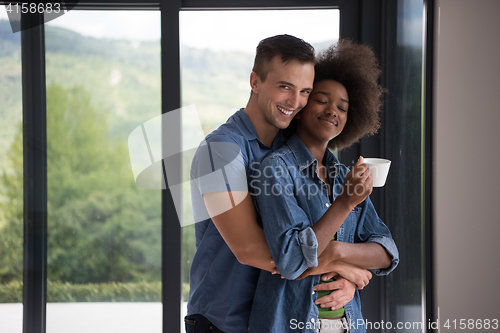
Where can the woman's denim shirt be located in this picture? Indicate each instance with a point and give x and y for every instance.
(290, 198)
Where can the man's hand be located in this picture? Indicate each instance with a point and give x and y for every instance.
(325, 261)
(329, 265)
(358, 184)
(343, 292)
(359, 276)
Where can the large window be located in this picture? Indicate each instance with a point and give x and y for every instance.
(104, 240)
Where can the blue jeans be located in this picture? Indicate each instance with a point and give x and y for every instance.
(199, 324)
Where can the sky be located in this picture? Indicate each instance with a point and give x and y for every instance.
(218, 30)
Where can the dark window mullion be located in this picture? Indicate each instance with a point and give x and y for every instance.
(171, 229)
(35, 173)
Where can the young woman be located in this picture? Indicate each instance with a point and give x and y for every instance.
(306, 198)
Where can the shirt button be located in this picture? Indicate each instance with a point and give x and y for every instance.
(327, 204)
(312, 320)
(313, 293)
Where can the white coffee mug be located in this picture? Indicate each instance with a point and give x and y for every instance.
(379, 168)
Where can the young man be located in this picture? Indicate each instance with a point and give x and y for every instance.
(230, 244)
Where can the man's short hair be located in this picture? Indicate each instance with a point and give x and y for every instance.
(287, 47)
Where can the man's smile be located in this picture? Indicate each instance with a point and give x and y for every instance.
(284, 111)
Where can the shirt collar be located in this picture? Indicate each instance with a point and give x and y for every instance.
(249, 131)
(246, 127)
(304, 157)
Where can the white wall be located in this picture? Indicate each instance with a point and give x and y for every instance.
(467, 160)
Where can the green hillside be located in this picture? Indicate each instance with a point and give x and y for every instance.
(123, 78)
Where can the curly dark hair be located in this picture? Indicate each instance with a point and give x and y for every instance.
(356, 67)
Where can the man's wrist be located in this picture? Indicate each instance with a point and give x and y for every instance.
(336, 252)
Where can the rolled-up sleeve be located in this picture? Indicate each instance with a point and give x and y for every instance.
(292, 242)
(217, 166)
(388, 244)
(309, 244)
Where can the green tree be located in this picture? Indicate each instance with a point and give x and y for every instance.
(11, 213)
(101, 226)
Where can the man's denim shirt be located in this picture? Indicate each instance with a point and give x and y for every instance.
(290, 198)
(222, 289)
